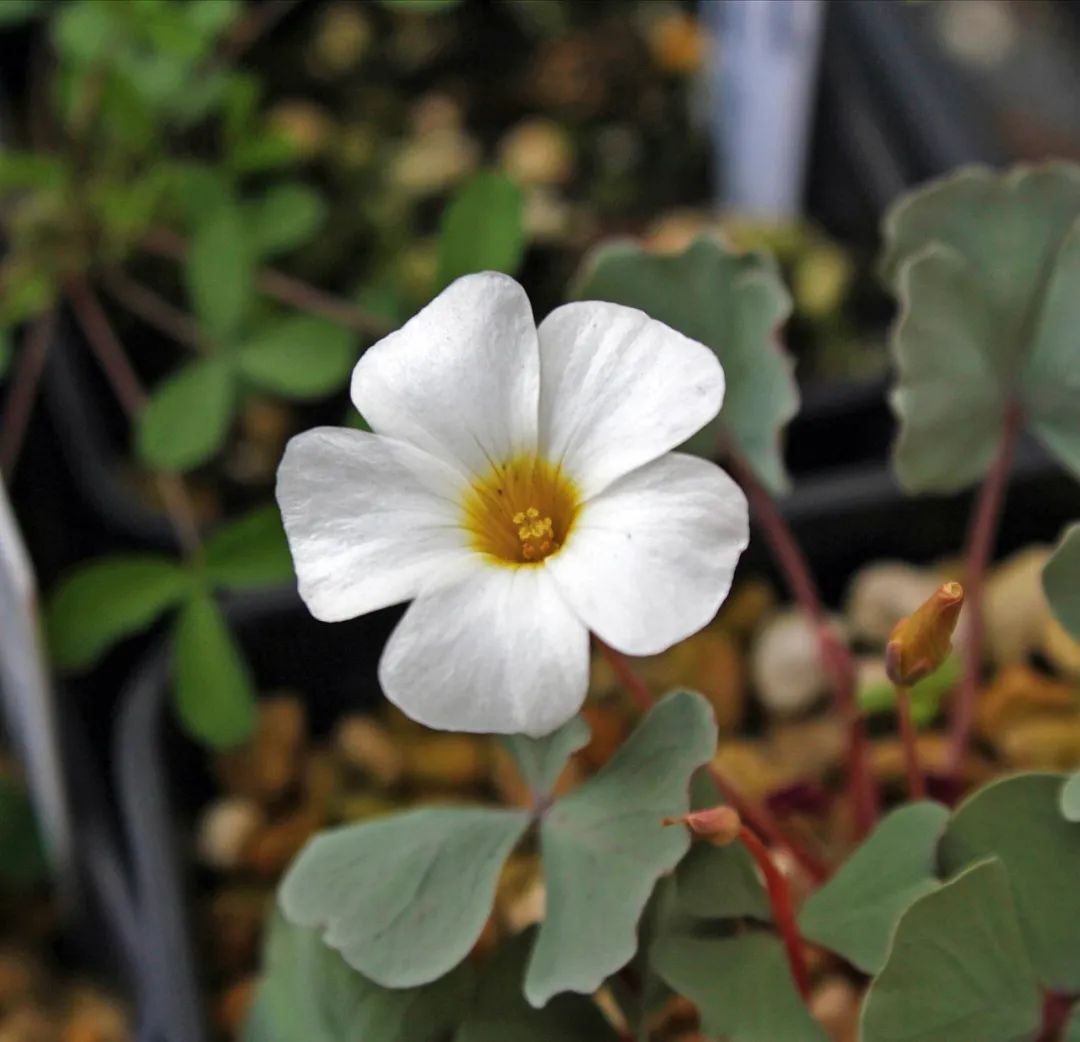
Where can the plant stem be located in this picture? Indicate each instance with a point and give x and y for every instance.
(757, 814)
(24, 387)
(835, 654)
(776, 885)
(981, 535)
(284, 288)
(155, 310)
(129, 392)
(909, 740)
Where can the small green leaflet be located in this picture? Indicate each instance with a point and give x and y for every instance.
(249, 553)
(298, 357)
(220, 270)
(285, 217)
(483, 228)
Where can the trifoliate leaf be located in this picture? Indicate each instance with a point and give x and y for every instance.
(215, 697)
(734, 304)
(403, 898)
(22, 856)
(541, 760)
(109, 599)
(742, 985)
(1019, 821)
(309, 992)
(957, 969)
(483, 228)
(857, 910)
(501, 1014)
(1061, 581)
(249, 553)
(1070, 798)
(986, 267)
(220, 270)
(187, 416)
(603, 848)
(285, 217)
(300, 357)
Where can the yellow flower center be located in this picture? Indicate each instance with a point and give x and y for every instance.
(521, 511)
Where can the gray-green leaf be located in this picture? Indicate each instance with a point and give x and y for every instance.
(720, 883)
(308, 992)
(957, 969)
(284, 218)
(187, 417)
(250, 552)
(1019, 821)
(986, 267)
(215, 697)
(501, 1014)
(734, 304)
(300, 356)
(541, 760)
(483, 228)
(856, 912)
(220, 270)
(106, 600)
(603, 848)
(1061, 581)
(403, 898)
(1072, 1028)
(741, 984)
(1070, 798)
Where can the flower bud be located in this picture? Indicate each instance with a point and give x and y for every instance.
(718, 825)
(920, 643)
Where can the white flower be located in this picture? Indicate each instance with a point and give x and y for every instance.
(519, 488)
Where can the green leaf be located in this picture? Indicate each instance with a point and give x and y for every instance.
(720, 883)
(483, 228)
(1072, 1027)
(1070, 798)
(187, 416)
(986, 267)
(603, 848)
(12, 12)
(501, 1014)
(301, 357)
(249, 553)
(742, 985)
(31, 170)
(734, 304)
(541, 760)
(1018, 820)
(220, 270)
(857, 910)
(957, 970)
(309, 992)
(22, 856)
(1061, 581)
(215, 697)
(284, 218)
(403, 898)
(926, 696)
(106, 600)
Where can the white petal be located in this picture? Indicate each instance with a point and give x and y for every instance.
(651, 559)
(619, 389)
(370, 521)
(461, 378)
(500, 653)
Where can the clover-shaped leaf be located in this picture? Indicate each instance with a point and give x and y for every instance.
(1061, 581)
(604, 849)
(403, 898)
(541, 760)
(307, 991)
(298, 356)
(856, 912)
(733, 303)
(986, 267)
(742, 985)
(501, 1014)
(957, 969)
(249, 552)
(1018, 820)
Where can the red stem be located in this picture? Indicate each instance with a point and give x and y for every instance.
(981, 536)
(835, 654)
(24, 387)
(783, 908)
(758, 815)
(909, 740)
(1056, 1010)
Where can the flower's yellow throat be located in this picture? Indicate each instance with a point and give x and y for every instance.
(521, 511)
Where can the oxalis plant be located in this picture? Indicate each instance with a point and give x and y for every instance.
(519, 487)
